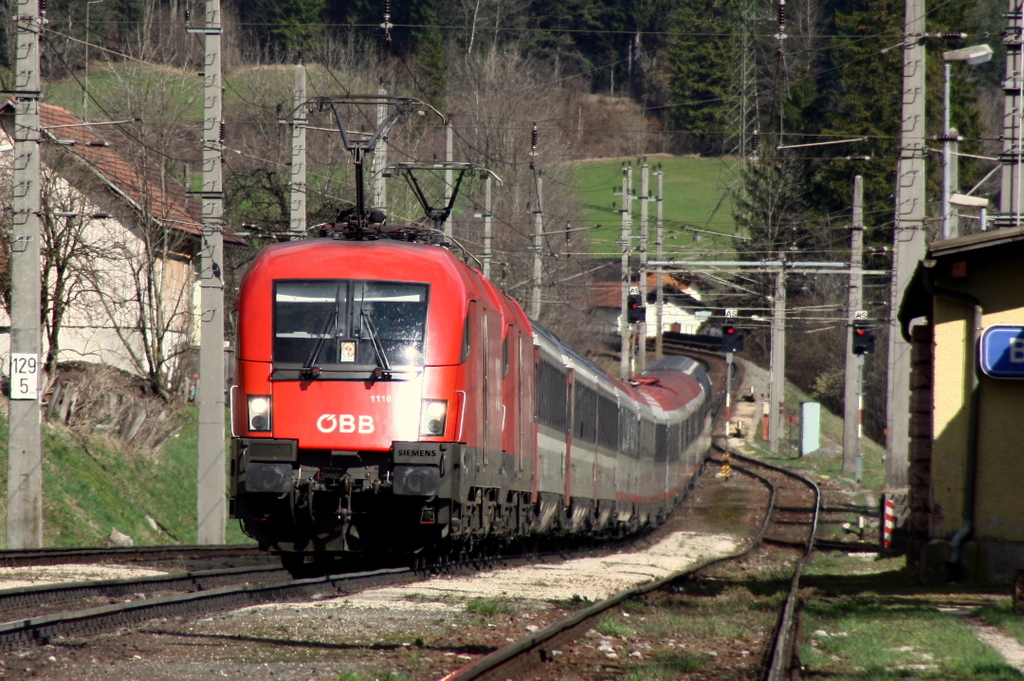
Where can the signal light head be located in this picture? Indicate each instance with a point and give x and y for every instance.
(635, 310)
(732, 339)
(863, 340)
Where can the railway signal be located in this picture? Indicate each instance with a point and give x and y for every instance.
(863, 340)
(732, 340)
(635, 310)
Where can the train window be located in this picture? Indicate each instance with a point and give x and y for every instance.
(397, 312)
(647, 446)
(608, 423)
(551, 396)
(467, 335)
(504, 357)
(305, 312)
(661, 442)
(339, 322)
(629, 427)
(585, 413)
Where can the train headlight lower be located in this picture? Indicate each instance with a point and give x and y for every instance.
(259, 413)
(433, 417)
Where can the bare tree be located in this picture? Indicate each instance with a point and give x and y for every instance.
(498, 94)
(67, 253)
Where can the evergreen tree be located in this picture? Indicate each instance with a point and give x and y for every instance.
(299, 25)
(864, 100)
(701, 70)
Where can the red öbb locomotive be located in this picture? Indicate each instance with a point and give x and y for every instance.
(389, 399)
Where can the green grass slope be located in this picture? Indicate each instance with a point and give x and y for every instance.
(697, 206)
(90, 488)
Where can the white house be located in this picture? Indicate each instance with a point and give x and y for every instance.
(682, 310)
(120, 249)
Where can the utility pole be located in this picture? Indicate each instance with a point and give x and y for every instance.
(641, 328)
(853, 400)
(25, 457)
(297, 187)
(658, 281)
(624, 345)
(1013, 99)
(449, 146)
(380, 155)
(908, 244)
(212, 503)
(488, 216)
(777, 388)
(538, 231)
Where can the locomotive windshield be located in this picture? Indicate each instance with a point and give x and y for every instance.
(348, 324)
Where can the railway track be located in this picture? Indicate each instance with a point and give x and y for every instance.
(85, 622)
(242, 554)
(199, 597)
(790, 520)
(36, 601)
(43, 614)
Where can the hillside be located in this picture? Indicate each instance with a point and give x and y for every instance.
(697, 205)
(91, 487)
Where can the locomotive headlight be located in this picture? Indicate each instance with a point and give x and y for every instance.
(433, 416)
(259, 412)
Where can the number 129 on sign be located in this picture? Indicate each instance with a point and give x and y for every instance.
(24, 376)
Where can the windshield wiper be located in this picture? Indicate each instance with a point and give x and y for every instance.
(309, 370)
(383, 365)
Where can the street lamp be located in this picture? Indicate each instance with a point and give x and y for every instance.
(968, 201)
(976, 54)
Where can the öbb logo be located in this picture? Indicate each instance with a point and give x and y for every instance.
(345, 423)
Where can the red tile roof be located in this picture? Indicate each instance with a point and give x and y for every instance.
(143, 185)
(609, 293)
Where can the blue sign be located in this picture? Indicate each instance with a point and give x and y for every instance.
(1002, 351)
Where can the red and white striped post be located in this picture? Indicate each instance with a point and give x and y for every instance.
(888, 524)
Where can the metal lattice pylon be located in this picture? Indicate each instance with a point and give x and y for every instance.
(743, 109)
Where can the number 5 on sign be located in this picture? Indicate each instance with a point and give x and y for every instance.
(24, 376)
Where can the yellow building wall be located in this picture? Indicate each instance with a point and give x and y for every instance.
(999, 496)
(949, 416)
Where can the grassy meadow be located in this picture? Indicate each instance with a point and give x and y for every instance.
(697, 205)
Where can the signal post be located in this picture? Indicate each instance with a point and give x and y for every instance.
(854, 394)
(732, 341)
